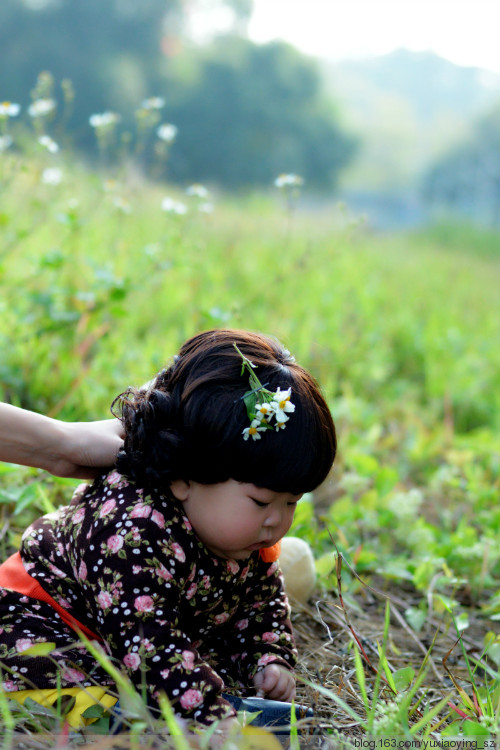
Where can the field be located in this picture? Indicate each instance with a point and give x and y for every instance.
(99, 286)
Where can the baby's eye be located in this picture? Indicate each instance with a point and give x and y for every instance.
(259, 503)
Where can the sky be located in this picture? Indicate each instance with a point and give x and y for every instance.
(467, 32)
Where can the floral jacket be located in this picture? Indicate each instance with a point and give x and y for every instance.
(127, 563)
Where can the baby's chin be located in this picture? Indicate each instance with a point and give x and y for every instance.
(232, 554)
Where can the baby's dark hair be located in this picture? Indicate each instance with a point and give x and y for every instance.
(188, 423)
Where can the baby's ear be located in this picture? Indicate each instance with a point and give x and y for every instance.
(180, 489)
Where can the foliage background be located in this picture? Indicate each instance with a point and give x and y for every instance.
(99, 286)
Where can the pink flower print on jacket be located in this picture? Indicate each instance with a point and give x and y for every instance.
(132, 661)
(266, 659)
(115, 543)
(188, 660)
(179, 553)
(191, 591)
(73, 675)
(141, 510)
(270, 637)
(158, 518)
(56, 571)
(191, 699)
(163, 573)
(116, 480)
(9, 686)
(232, 566)
(107, 508)
(82, 571)
(105, 600)
(144, 604)
(22, 644)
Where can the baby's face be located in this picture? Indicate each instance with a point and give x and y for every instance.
(233, 519)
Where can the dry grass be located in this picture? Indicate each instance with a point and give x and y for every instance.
(324, 633)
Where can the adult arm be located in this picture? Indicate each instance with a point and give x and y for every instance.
(66, 449)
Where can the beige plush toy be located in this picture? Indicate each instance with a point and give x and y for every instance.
(297, 564)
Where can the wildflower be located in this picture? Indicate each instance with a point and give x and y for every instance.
(5, 142)
(52, 176)
(253, 430)
(206, 208)
(166, 132)
(41, 107)
(110, 185)
(174, 207)
(263, 410)
(9, 109)
(288, 180)
(48, 143)
(122, 205)
(104, 120)
(154, 102)
(282, 404)
(197, 190)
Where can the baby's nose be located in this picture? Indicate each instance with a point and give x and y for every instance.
(273, 518)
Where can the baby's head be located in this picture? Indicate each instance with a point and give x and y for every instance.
(188, 424)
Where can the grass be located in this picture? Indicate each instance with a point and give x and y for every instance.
(99, 287)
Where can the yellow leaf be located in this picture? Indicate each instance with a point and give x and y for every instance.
(255, 738)
(39, 649)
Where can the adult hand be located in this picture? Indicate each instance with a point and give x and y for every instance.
(85, 448)
(66, 449)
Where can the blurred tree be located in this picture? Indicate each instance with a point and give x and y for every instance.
(467, 179)
(247, 113)
(110, 51)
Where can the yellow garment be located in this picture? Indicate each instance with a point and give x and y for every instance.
(84, 699)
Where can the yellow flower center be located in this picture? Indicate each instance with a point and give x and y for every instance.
(252, 430)
(282, 404)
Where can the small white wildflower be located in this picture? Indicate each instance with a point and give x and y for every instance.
(122, 205)
(5, 142)
(171, 206)
(197, 190)
(109, 186)
(264, 411)
(104, 120)
(9, 109)
(154, 102)
(166, 132)
(41, 107)
(288, 180)
(206, 208)
(253, 431)
(48, 143)
(52, 176)
(283, 404)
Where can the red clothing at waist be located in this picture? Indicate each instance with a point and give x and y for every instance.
(14, 577)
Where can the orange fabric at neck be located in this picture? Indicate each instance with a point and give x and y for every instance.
(271, 554)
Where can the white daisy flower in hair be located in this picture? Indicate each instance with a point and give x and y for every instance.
(283, 405)
(264, 410)
(253, 430)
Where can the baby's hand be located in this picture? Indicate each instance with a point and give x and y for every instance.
(275, 682)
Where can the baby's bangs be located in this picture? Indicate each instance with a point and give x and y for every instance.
(296, 459)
